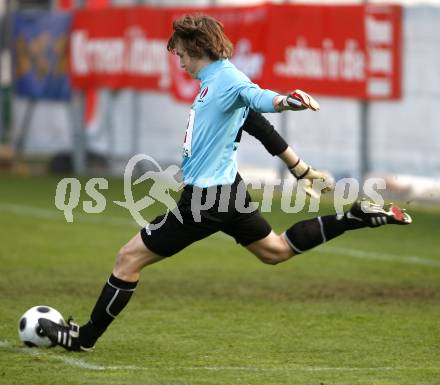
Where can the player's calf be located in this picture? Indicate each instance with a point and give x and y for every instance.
(305, 235)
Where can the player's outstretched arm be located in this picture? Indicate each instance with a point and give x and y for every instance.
(311, 180)
(295, 101)
(260, 128)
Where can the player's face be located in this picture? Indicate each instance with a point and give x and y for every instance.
(189, 64)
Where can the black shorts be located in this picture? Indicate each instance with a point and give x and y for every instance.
(173, 236)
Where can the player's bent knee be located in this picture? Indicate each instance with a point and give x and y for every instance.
(273, 258)
(271, 250)
(133, 256)
(269, 261)
(125, 255)
(128, 256)
(124, 260)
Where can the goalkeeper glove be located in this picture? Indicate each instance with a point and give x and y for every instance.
(306, 175)
(296, 101)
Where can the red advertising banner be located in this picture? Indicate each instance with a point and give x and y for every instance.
(351, 51)
(384, 50)
(120, 47)
(346, 51)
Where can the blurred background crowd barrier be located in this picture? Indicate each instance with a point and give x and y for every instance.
(87, 84)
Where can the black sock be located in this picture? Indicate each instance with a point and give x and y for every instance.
(310, 233)
(115, 295)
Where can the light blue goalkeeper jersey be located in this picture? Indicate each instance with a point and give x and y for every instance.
(218, 112)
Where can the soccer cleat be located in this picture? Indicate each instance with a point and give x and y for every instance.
(66, 336)
(374, 215)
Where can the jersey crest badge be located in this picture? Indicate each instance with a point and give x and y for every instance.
(202, 95)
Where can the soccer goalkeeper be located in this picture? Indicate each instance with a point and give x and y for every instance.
(209, 162)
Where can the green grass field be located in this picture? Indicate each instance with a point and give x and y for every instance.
(364, 309)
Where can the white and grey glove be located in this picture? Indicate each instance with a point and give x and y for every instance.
(306, 176)
(296, 101)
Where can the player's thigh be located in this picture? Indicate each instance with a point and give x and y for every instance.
(271, 249)
(246, 228)
(134, 252)
(173, 236)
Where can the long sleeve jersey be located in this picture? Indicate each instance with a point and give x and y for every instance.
(216, 115)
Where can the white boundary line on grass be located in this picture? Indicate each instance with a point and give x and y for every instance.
(83, 364)
(45, 213)
(363, 254)
(39, 212)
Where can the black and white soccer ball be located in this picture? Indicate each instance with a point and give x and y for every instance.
(29, 330)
